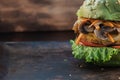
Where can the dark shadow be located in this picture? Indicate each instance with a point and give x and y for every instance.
(4, 62)
(44, 2)
(6, 26)
(38, 36)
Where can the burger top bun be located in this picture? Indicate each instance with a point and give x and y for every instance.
(100, 9)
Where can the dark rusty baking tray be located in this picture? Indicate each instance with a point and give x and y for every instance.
(47, 60)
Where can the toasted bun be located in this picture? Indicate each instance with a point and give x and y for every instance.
(100, 9)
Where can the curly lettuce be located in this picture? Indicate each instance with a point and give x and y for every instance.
(104, 55)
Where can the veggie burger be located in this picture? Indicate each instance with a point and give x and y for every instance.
(98, 32)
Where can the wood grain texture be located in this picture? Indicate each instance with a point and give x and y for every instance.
(48, 61)
(37, 15)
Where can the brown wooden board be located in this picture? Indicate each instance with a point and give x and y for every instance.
(37, 15)
(37, 36)
(51, 60)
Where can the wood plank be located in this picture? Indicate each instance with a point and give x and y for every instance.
(48, 61)
(37, 15)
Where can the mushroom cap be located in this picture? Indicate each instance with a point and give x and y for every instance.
(100, 9)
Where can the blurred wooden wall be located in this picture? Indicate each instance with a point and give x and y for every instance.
(37, 15)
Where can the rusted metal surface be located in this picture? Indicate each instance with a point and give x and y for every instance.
(51, 60)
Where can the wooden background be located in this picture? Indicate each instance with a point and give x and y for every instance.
(37, 15)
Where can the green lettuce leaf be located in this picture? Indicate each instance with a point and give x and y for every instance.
(95, 54)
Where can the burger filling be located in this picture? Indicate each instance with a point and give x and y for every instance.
(98, 33)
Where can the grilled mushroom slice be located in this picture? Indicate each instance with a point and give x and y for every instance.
(86, 29)
(118, 29)
(100, 34)
(104, 31)
(107, 28)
